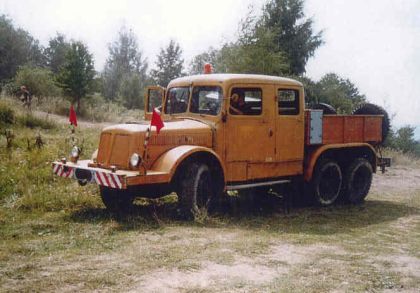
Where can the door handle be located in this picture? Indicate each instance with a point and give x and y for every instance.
(270, 132)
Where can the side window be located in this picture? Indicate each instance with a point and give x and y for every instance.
(288, 102)
(246, 101)
(206, 100)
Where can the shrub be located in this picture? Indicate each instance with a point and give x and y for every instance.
(39, 81)
(32, 121)
(7, 115)
(10, 89)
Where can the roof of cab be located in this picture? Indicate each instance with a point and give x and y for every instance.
(232, 78)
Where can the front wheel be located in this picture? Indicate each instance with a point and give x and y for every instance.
(116, 200)
(196, 193)
(326, 182)
(358, 180)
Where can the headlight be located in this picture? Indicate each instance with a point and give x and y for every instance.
(135, 160)
(75, 152)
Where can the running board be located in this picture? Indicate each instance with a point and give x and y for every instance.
(250, 185)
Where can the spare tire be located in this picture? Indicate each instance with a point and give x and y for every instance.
(372, 109)
(327, 109)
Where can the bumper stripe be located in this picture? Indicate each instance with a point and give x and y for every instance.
(101, 178)
(66, 172)
(98, 178)
(105, 176)
(115, 180)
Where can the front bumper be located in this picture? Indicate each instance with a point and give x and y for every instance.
(120, 179)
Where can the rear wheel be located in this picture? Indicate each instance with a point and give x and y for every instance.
(358, 180)
(326, 182)
(116, 200)
(196, 193)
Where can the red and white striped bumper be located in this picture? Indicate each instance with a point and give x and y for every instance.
(108, 179)
(82, 172)
(63, 171)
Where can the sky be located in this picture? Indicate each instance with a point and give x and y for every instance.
(374, 43)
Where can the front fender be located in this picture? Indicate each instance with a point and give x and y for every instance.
(169, 161)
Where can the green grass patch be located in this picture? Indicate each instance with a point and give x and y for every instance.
(7, 114)
(31, 121)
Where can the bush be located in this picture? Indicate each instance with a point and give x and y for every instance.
(10, 89)
(7, 115)
(39, 81)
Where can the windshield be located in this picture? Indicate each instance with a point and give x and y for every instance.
(177, 100)
(206, 100)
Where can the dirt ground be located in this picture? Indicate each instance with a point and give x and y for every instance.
(373, 247)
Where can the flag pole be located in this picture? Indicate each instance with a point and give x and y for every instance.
(158, 123)
(145, 144)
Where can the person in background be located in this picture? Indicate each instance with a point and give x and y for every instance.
(26, 97)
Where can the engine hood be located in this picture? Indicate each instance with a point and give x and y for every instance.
(119, 142)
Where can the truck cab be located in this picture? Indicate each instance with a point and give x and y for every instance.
(230, 132)
(266, 140)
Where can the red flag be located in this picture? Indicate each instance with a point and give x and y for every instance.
(72, 116)
(156, 121)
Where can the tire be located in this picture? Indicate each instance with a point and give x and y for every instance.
(326, 182)
(116, 200)
(327, 109)
(196, 194)
(358, 179)
(372, 109)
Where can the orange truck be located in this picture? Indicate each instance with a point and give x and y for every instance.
(233, 132)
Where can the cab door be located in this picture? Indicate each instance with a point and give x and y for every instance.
(289, 119)
(154, 99)
(250, 139)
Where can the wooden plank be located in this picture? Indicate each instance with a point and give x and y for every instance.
(351, 128)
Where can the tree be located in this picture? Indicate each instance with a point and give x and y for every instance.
(169, 64)
(17, 48)
(125, 62)
(253, 52)
(341, 93)
(132, 90)
(77, 72)
(56, 52)
(293, 33)
(197, 63)
(404, 141)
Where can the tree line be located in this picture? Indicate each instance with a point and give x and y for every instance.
(66, 67)
(277, 41)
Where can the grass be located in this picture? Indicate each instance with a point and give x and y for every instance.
(57, 236)
(95, 109)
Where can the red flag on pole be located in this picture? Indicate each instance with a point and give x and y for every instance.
(156, 121)
(72, 116)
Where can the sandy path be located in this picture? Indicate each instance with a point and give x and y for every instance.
(65, 120)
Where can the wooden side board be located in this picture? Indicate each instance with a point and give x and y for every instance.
(348, 129)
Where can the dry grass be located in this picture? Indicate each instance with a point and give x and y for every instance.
(57, 236)
(401, 159)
